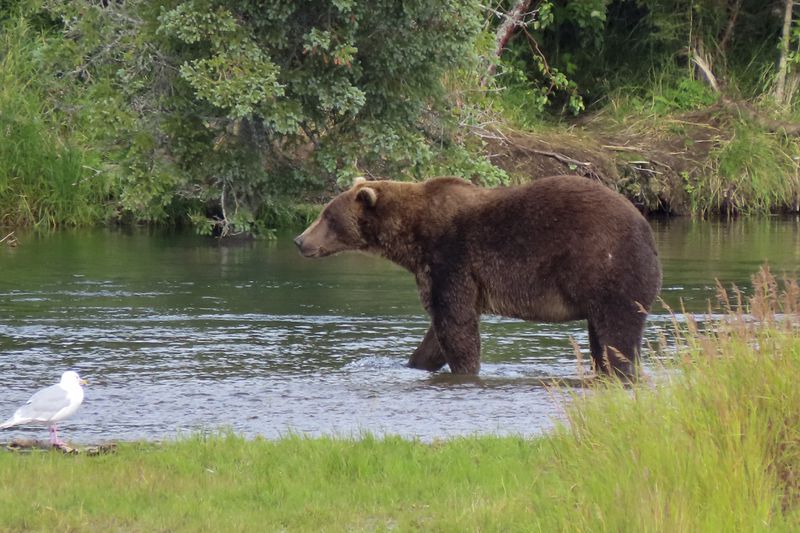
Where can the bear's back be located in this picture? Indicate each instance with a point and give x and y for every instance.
(564, 231)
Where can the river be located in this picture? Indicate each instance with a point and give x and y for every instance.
(179, 334)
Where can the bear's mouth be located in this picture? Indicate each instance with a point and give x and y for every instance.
(314, 252)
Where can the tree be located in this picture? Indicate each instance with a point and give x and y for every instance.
(227, 104)
(782, 96)
(337, 86)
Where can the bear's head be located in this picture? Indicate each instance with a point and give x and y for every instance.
(340, 225)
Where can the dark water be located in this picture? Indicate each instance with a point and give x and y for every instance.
(179, 334)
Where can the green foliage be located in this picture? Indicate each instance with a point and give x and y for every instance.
(754, 172)
(460, 161)
(688, 94)
(216, 108)
(602, 46)
(350, 79)
(235, 75)
(44, 181)
(531, 81)
(226, 109)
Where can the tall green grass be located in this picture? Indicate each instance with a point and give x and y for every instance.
(712, 444)
(43, 180)
(730, 165)
(753, 172)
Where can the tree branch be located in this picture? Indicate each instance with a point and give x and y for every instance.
(561, 157)
(726, 37)
(513, 19)
(783, 64)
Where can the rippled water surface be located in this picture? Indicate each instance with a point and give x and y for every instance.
(179, 334)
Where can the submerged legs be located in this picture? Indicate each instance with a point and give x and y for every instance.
(428, 355)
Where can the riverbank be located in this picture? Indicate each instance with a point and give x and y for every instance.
(717, 160)
(712, 161)
(714, 446)
(153, 132)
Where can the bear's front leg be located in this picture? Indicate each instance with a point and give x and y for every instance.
(454, 310)
(460, 340)
(428, 355)
(451, 298)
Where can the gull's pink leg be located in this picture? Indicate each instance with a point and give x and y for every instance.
(54, 440)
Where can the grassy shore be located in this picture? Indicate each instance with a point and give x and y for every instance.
(712, 444)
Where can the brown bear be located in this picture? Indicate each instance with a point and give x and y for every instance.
(561, 248)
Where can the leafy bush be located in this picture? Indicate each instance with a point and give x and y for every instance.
(44, 181)
(686, 95)
(219, 108)
(333, 89)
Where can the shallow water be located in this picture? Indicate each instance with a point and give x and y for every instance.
(179, 334)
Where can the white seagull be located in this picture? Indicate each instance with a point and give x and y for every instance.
(50, 405)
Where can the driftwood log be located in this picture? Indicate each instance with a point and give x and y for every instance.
(35, 445)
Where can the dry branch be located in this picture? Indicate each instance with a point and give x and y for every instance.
(512, 20)
(10, 240)
(702, 62)
(561, 157)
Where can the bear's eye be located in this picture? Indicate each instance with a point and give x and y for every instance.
(331, 222)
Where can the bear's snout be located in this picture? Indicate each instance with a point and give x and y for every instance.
(299, 241)
(308, 246)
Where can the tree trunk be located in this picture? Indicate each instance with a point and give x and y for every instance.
(726, 37)
(511, 21)
(783, 66)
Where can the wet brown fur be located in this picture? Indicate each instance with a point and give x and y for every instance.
(561, 248)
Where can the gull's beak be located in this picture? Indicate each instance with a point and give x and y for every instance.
(84, 382)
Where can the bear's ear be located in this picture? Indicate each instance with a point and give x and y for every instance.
(359, 180)
(368, 196)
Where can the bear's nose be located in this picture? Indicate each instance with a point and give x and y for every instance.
(298, 241)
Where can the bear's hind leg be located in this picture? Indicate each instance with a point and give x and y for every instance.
(428, 355)
(600, 363)
(615, 344)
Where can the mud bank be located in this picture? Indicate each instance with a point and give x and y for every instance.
(675, 165)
